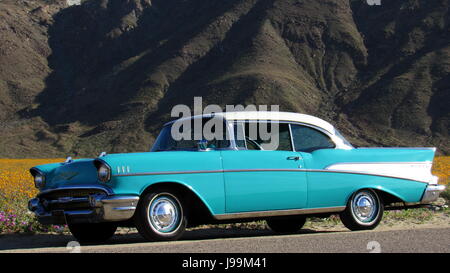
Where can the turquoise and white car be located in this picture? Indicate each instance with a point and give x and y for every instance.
(314, 171)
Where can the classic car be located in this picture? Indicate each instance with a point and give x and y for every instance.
(313, 171)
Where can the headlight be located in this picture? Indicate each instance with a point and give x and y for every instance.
(104, 173)
(39, 180)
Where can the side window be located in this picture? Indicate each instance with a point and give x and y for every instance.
(307, 139)
(247, 136)
(186, 139)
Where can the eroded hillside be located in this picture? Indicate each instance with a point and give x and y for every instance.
(104, 75)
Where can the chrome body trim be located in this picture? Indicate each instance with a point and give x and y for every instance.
(416, 171)
(99, 208)
(403, 148)
(35, 171)
(170, 173)
(66, 200)
(117, 208)
(431, 193)
(266, 170)
(271, 213)
(33, 204)
(97, 163)
(106, 189)
(381, 162)
(367, 173)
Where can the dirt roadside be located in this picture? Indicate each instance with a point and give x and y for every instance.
(127, 236)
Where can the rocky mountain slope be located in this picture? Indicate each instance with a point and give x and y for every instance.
(104, 75)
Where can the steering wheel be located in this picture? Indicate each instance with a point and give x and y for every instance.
(253, 143)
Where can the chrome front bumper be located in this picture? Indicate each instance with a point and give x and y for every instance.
(100, 208)
(431, 193)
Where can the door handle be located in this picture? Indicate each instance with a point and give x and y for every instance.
(293, 158)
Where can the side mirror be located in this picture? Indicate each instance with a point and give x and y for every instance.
(202, 145)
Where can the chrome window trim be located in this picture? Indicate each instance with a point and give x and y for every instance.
(283, 121)
(292, 138)
(230, 135)
(231, 125)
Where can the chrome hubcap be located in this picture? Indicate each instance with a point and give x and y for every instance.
(164, 214)
(365, 207)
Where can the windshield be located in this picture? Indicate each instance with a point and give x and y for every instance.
(169, 140)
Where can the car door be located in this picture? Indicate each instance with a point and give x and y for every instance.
(263, 180)
(315, 145)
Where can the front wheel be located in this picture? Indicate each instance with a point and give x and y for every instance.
(286, 225)
(364, 211)
(160, 216)
(93, 232)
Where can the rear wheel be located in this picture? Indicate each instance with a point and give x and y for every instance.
(161, 216)
(286, 225)
(93, 232)
(364, 211)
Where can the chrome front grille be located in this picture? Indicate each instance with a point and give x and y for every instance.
(71, 193)
(69, 199)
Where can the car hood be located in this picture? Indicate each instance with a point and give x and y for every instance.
(76, 172)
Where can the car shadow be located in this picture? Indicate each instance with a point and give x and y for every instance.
(15, 242)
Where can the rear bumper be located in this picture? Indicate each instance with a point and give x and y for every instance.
(431, 193)
(101, 209)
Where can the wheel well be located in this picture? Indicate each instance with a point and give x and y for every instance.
(387, 198)
(198, 213)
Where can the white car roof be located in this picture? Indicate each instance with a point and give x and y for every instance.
(279, 116)
(338, 139)
(271, 115)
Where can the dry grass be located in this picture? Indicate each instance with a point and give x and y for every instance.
(15, 179)
(16, 188)
(441, 168)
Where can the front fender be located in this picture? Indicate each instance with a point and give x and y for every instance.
(200, 172)
(182, 184)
